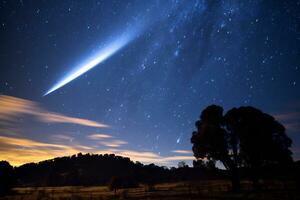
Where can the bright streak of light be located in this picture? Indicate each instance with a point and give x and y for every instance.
(104, 53)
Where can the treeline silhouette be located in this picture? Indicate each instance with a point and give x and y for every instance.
(98, 169)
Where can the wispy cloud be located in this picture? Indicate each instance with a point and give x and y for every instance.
(287, 116)
(99, 136)
(60, 137)
(13, 107)
(177, 158)
(59, 118)
(290, 120)
(106, 140)
(113, 143)
(182, 151)
(20, 150)
(149, 157)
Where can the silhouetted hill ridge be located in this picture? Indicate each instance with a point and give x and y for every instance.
(97, 169)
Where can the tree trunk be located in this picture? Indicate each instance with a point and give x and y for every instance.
(234, 174)
(236, 186)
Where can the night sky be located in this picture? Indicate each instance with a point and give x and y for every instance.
(165, 62)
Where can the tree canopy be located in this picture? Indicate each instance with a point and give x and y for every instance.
(243, 137)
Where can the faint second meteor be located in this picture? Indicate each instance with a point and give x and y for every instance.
(104, 53)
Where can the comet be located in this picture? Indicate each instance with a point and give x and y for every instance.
(101, 56)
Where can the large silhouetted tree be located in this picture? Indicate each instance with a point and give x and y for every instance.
(244, 137)
(262, 140)
(212, 141)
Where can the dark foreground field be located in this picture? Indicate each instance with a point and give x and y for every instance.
(181, 190)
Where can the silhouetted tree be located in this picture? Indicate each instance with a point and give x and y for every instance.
(244, 137)
(211, 141)
(261, 140)
(7, 179)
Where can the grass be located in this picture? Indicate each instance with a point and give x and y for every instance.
(205, 190)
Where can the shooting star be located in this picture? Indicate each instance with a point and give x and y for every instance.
(104, 53)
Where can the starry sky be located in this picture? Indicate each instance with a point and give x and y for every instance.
(173, 59)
